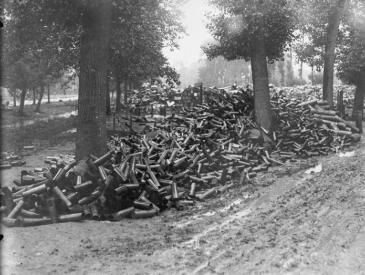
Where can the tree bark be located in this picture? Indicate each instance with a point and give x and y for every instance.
(358, 109)
(22, 99)
(260, 82)
(14, 96)
(34, 96)
(48, 94)
(118, 95)
(340, 105)
(107, 91)
(91, 130)
(126, 89)
(329, 55)
(41, 93)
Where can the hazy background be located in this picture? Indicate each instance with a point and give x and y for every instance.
(189, 58)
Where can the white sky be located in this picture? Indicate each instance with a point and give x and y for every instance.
(194, 21)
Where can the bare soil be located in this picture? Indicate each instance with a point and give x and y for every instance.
(285, 222)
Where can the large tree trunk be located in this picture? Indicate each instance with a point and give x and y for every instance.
(119, 93)
(329, 55)
(41, 93)
(48, 94)
(91, 130)
(21, 103)
(261, 83)
(358, 109)
(107, 90)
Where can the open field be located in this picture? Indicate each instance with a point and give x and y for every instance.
(11, 117)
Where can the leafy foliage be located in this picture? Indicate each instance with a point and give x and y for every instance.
(45, 35)
(33, 52)
(351, 59)
(170, 75)
(308, 53)
(312, 19)
(235, 28)
(140, 31)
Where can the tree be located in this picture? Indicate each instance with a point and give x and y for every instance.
(351, 64)
(253, 30)
(309, 54)
(50, 35)
(31, 49)
(19, 76)
(334, 18)
(17, 73)
(318, 22)
(141, 29)
(76, 34)
(40, 95)
(172, 78)
(14, 93)
(94, 47)
(118, 82)
(107, 92)
(48, 93)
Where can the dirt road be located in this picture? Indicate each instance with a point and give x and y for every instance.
(286, 222)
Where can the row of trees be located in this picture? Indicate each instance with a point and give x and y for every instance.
(54, 86)
(122, 40)
(261, 31)
(119, 40)
(220, 72)
(42, 43)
